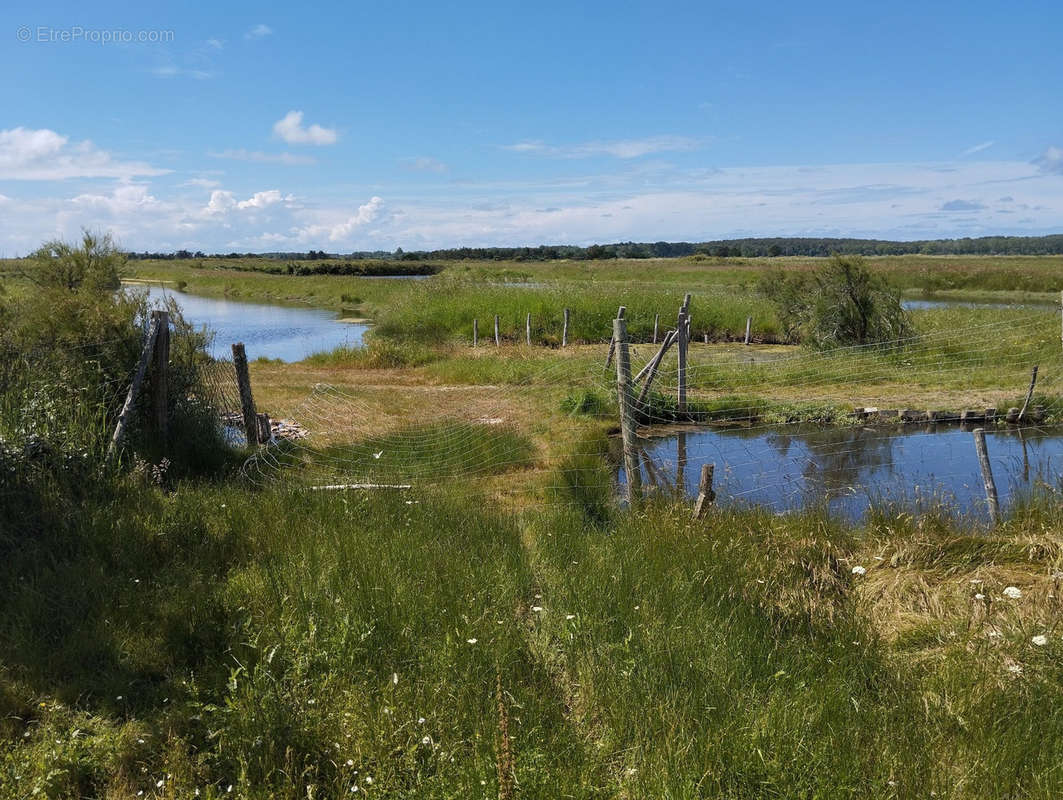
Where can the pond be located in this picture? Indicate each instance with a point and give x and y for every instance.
(267, 331)
(917, 304)
(790, 467)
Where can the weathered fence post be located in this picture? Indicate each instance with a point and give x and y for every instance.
(749, 323)
(475, 331)
(627, 412)
(987, 475)
(705, 493)
(498, 339)
(1029, 395)
(680, 462)
(247, 400)
(265, 428)
(681, 375)
(134, 388)
(656, 322)
(651, 369)
(612, 340)
(527, 330)
(564, 331)
(160, 375)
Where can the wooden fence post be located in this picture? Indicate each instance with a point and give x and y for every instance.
(160, 376)
(627, 412)
(612, 339)
(564, 331)
(651, 368)
(527, 330)
(134, 388)
(656, 322)
(705, 493)
(987, 475)
(498, 339)
(247, 400)
(749, 323)
(475, 331)
(1029, 395)
(681, 375)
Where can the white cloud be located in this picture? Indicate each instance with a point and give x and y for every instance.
(259, 31)
(265, 199)
(202, 183)
(290, 129)
(424, 164)
(216, 44)
(290, 159)
(978, 148)
(171, 71)
(223, 201)
(1051, 160)
(341, 231)
(124, 199)
(43, 154)
(619, 148)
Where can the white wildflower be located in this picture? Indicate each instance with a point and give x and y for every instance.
(1040, 640)
(537, 609)
(426, 740)
(471, 641)
(395, 678)
(1013, 592)
(858, 570)
(979, 596)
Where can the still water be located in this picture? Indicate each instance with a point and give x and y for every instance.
(920, 468)
(267, 331)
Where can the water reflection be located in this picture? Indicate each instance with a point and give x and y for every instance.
(786, 468)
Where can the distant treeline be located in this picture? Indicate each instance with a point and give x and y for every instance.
(724, 248)
(366, 268)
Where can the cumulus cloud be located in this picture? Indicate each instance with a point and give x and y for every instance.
(620, 148)
(1051, 160)
(43, 154)
(259, 31)
(202, 183)
(124, 199)
(290, 128)
(290, 159)
(222, 201)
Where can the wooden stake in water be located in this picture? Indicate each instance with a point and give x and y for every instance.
(612, 341)
(705, 493)
(247, 400)
(564, 331)
(987, 475)
(627, 412)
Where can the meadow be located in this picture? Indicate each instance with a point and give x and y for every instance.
(179, 630)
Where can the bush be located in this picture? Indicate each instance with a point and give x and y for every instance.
(840, 305)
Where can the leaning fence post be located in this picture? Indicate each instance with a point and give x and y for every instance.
(498, 339)
(247, 400)
(627, 411)
(160, 375)
(475, 331)
(527, 329)
(651, 368)
(705, 493)
(564, 331)
(612, 339)
(131, 396)
(1029, 395)
(987, 475)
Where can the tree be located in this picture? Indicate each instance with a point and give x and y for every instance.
(95, 264)
(841, 304)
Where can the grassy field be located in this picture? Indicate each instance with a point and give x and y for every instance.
(510, 631)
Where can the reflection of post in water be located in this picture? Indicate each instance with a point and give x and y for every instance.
(1025, 458)
(649, 469)
(680, 462)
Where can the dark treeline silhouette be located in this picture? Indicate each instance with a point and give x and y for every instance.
(724, 248)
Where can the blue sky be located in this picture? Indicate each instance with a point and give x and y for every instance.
(236, 126)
